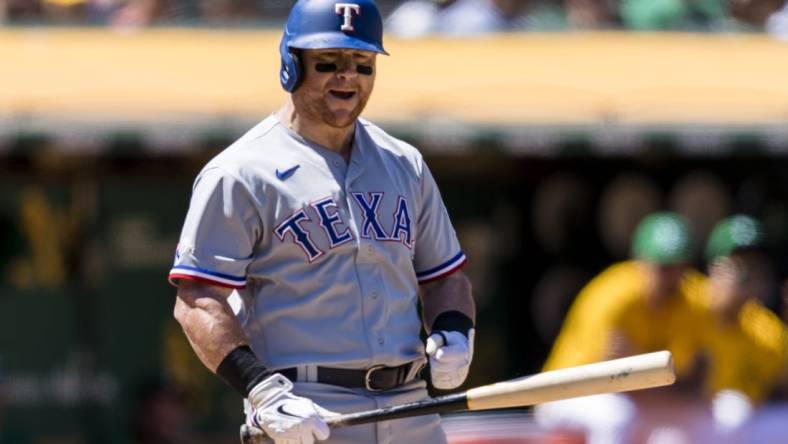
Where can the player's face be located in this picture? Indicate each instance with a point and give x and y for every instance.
(737, 278)
(337, 84)
(666, 280)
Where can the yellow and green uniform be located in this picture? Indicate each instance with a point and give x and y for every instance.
(749, 355)
(615, 303)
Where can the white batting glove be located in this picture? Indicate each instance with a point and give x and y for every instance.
(285, 417)
(450, 354)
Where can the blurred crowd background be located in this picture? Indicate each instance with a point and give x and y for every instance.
(91, 204)
(416, 18)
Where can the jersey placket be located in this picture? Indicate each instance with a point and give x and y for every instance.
(369, 280)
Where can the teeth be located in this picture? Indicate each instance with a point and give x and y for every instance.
(342, 94)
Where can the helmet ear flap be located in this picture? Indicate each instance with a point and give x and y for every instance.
(291, 74)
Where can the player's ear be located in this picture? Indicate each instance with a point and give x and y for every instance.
(297, 66)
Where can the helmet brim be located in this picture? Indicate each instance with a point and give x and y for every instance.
(334, 40)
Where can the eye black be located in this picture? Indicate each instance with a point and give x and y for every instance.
(325, 67)
(332, 67)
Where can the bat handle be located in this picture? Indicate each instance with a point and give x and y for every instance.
(446, 403)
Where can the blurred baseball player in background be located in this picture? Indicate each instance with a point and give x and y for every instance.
(324, 232)
(632, 307)
(747, 345)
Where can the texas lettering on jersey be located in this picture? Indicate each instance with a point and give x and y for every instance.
(296, 227)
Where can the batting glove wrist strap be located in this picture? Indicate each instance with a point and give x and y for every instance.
(452, 321)
(269, 390)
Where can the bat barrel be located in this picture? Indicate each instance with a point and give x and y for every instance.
(619, 375)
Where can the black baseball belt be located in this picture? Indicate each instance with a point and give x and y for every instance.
(375, 379)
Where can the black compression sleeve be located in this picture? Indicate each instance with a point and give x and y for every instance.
(453, 321)
(241, 370)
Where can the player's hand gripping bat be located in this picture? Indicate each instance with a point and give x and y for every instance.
(619, 375)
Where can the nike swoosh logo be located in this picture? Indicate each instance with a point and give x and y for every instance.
(282, 175)
(281, 409)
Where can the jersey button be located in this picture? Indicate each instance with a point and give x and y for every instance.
(374, 294)
(381, 341)
(370, 250)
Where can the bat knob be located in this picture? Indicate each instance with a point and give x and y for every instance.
(251, 435)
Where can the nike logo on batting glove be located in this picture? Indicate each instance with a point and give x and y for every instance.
(281, 409)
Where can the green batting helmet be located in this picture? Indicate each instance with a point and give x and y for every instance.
(662, 238)
(733, 233)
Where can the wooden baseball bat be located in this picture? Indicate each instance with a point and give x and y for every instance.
(618, 375)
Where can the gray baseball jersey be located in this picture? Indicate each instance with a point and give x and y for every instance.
(325, 255)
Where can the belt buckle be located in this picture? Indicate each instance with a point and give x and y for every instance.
(368, 377)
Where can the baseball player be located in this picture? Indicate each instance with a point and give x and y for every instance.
(636, 306)
(324, 232)
(747, 344)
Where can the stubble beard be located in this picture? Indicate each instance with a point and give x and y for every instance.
(316, 109)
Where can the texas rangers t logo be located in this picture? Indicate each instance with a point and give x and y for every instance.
(346, 10)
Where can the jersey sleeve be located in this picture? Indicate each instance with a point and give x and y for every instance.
(437, 251)
(221, 229)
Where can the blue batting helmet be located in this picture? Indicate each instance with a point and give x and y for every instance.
(328, 24)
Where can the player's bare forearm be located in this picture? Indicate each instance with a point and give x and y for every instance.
(450, 293)
(208, 321)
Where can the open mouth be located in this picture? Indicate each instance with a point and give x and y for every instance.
(342, 95)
